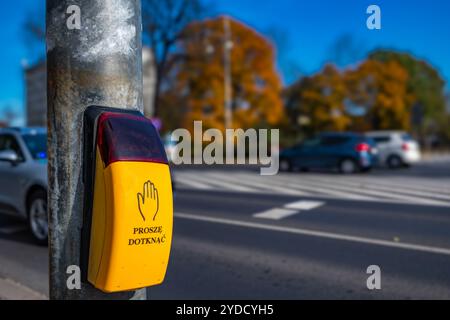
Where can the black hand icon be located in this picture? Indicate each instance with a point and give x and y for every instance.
(148, 201)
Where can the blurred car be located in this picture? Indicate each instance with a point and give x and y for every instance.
(347, 152)
(169, 146)
(23, 178)
(396, 148)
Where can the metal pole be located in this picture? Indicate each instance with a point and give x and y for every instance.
(99, 63)
(228, 101)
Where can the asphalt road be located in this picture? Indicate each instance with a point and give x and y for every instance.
(294, 236)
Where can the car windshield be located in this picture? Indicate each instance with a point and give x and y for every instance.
(37, 145)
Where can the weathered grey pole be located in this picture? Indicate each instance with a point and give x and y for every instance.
(94, 57)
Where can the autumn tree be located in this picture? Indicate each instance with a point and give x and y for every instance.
(316, 103)
(381, 90)
(425, 84)
(198, 80)
(371, 96)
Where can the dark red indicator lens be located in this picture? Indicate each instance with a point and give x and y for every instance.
(123, 137)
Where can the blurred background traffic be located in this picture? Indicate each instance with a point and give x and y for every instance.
(345, 98)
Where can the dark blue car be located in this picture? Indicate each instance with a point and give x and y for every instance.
(347, 152)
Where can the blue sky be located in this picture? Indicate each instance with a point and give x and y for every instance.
(305, 29)
(417, 26)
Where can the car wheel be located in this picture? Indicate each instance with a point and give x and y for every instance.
(285, 165)
(37, 217)
(348, 166)
(394, 162)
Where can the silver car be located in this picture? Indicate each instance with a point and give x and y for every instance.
(396, 148)
(23, 178)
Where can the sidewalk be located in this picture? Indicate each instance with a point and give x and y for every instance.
(11, 290)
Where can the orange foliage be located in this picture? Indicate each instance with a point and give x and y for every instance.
(379, 90)
(320, 100)
(382, 89)
(200, 76)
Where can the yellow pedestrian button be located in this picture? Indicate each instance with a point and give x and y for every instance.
(131, 216)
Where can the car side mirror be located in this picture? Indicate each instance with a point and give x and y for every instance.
(9, 156)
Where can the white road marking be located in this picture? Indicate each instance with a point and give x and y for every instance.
(193, 184)
(12, 229)
(318, 234)
(263, 182)
(288, 210)
(370, 184)
(411, 182)
(370, 188)
(366, 192)
(258, 184)
(305, 205)
(276, 214)
(319, 191)
(221, 182)
(334, 188)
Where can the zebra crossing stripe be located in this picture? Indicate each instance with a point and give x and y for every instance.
(259, 186)
(193, 184)
(317, 190)
(387, 194)
(370, 189)
(396, 188)
(231, 183)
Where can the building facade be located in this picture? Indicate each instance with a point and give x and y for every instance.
(36, 95)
